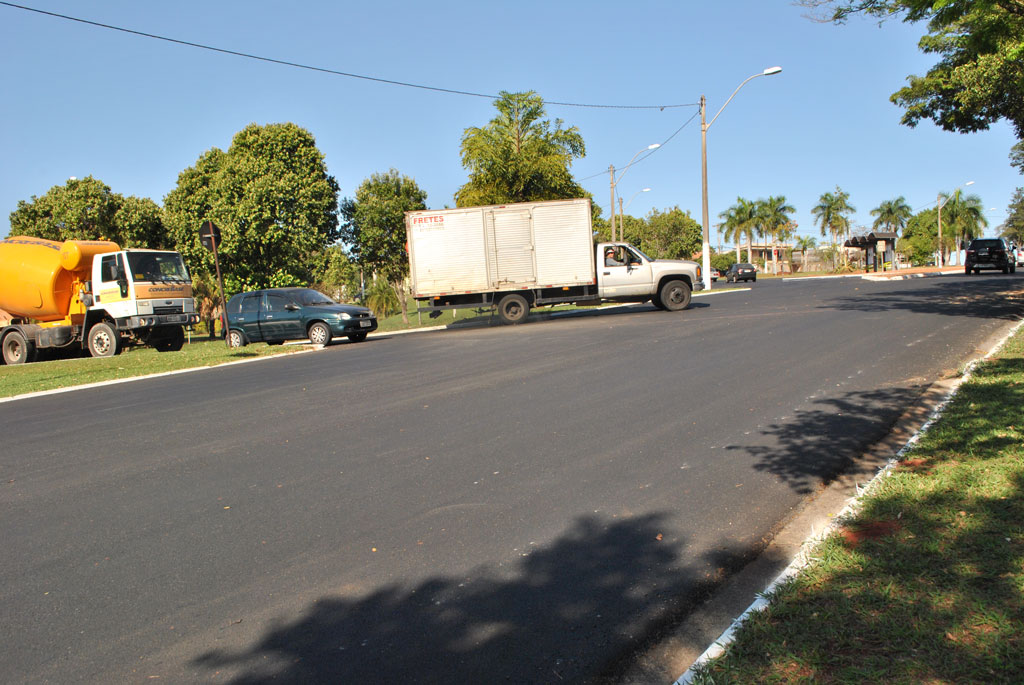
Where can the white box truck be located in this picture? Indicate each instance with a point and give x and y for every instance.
(518, 256)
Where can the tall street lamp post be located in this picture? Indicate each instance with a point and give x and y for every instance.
(615, 182)
(941, 204)
(622, 225)
(704, 126)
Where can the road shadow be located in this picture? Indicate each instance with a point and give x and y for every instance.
(811, 448)
(565, 613)
(991, 298)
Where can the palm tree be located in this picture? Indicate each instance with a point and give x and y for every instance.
(738, 222)
(831, 214)
(965, 216)
(805, 243)
(772, 215)
(892, 215)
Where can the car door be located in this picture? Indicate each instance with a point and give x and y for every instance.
(248, 317)
(632, 278)
(282, 318)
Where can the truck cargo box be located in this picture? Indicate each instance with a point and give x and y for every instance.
(500, 247)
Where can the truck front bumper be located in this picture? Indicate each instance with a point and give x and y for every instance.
(154, 320)
(698, 285)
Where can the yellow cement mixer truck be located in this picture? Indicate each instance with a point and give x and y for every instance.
(90, 294)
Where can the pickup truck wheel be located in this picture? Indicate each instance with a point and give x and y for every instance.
(320, 333)
(513, 309)
(656, 301)
(357, 337)
(104, 340)
(18, 349)
(236, 338)
(675, 295)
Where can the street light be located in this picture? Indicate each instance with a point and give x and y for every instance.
(622, 225)
(706, 260)
(942, 203)
(615, 181)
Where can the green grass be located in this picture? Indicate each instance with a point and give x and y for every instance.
(135, 361)
(926, 582)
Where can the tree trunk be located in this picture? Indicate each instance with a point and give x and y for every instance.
(399, 288)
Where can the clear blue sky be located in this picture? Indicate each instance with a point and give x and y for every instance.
(134, 112)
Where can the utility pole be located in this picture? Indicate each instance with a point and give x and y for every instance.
(611, 207)
(939, 202)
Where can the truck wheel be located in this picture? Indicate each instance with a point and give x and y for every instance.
(513, 309)
(656, 301)
(236, 338)
(675, 295)
(320, 334)
(104, 340)
(174, 341)
(357, 337)
(18, 349)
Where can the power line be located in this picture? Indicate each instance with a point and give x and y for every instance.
(649, 152)
(324, 70)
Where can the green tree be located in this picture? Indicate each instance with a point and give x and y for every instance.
(738, 224)
(963, 218)
(892, 215)
(803, 244)
(1013, 227)
(273, 200)
(87, 209)
(519, 156)
(672, 234)
(772, 216)
(979, 78)
(375, 227)
(832, 215)
(920, 238)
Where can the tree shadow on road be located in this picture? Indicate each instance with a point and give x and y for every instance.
(993, 298)
(566, 613)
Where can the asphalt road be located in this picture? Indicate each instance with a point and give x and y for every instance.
(525, 504)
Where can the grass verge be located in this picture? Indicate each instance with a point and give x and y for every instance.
(135, 361)
(925, 583)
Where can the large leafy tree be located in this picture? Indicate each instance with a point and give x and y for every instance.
(919, 242)
(519, 156)
(87, 209)
(672, 234)
(273, 200)
(892, 215)
(979, 78)
(1013, 227)
(374, 227)
(832, 215)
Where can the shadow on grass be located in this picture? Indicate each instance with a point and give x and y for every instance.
(565, 613)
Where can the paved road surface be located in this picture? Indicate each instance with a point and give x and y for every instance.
(478, 505)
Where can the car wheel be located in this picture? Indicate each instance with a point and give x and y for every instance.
(754, 279)
(357, 337)
(675, 295)
(967, 270)
(236, 338)
(320, 334)
(513, 309)
(977, 272)
(18, 349)
(104, 340)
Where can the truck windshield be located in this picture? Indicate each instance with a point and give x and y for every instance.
(158, 266)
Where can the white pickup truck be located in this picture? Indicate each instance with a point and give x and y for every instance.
(518, 256)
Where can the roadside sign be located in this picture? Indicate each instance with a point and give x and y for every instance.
(209, 235)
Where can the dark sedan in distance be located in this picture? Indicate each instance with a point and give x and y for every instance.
(278, 314)
(741, 272)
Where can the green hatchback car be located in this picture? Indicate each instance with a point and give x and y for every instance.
(279, 314)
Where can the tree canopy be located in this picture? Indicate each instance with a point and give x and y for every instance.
(273, 200)
(87, 209)
(979, 78)
(519, 156)
(374, 226)
(892, 215)
(1013, 227)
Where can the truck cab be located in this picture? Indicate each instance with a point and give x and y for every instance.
(626, 274)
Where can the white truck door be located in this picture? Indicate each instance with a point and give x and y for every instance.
(512, 235)
(624, 273)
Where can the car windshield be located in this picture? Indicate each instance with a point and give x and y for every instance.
(308, 297)
(158, 266)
